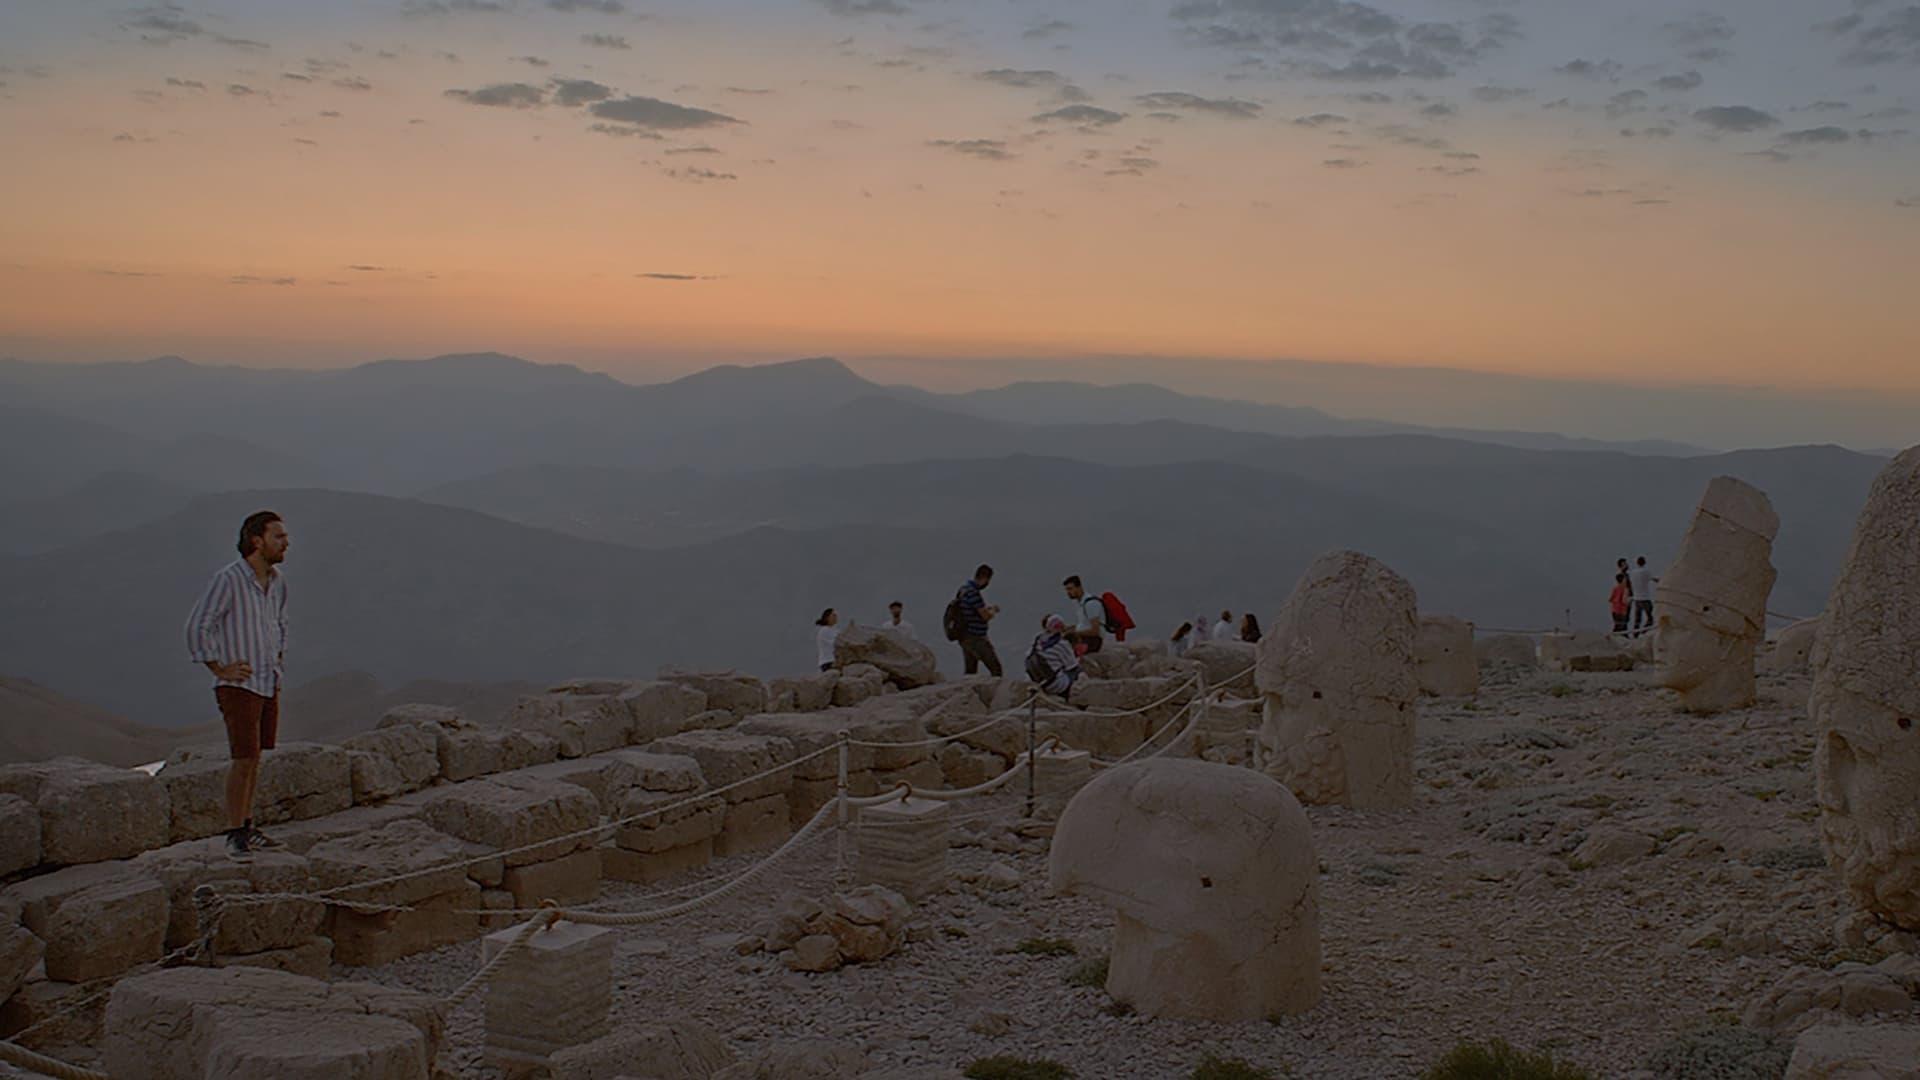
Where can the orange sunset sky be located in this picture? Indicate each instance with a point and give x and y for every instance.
(1638, 190)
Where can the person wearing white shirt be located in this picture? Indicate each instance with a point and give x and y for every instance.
(1641, 580)
(896, 621)
(1202, 630)
(825, 636)
(1086, 620)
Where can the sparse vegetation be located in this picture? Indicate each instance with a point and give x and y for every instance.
(1379, 874)
(1089, 974)
(1215, 1067)
(1495, 1060)
(1721, 1052)
(1791, 857)
(1045, 946)
(1560, 690)
(1006, 1067)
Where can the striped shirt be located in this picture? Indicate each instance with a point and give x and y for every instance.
(238, 620)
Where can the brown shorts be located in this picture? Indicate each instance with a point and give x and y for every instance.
(252, 720)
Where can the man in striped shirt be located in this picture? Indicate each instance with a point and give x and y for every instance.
(239, 631)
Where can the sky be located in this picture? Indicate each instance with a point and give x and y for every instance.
(1639, 191)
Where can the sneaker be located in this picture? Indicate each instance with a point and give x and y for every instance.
(259, 841)
(237, 847)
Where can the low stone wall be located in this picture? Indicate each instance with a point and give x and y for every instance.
(475, 822)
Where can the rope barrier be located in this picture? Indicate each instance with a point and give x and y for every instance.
(14, 1054)
(547, 917)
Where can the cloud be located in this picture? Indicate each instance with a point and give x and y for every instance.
(1494, 95)
(353, 82)
(571, 92)
(623, 131)
(532, 61)
(1626, 103)
(294, 76)
(1890, 36)
(503, 96)
(1690, 80)
(1439, 110)
(700, 149)
(1025, 80)
(251, 279)
(1174, 99)
(1702, 36)
(1451, 171)
(1081, 116)
(1343, 163)
(1325, 119)
(1132, 166)
(1369, 97)
(241, 90)
(186, 84)
(1046, 29)
(675, 277)
(366, 269)
(604, 7)
(699, 175)
(605, 41)
(1606, 70)
(652, 113)
(1736, 118)
(863, 7)
(1345, 39)
(1658, 131)
(164, 24)
(984, 149)
(453, 7)
(1908, 204)
(1813, 136)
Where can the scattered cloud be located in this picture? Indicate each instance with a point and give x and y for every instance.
(1343, 163)
(652, 113)
(186, 84)
(1605, 70)
(453, 7)
(676, 277)
(251, 279)
(1439, 110)
(1908, 204)
(698, 175)
(164, 24)
(1736, 118)
(1174, 99)
(366, 269)
(624, 131)
(532, 61)
(604, 7)
(241, 90)
(1346, 39)
(863, 7)
(503, 96)
(1451, 171)
(1025, 80)
(1817, 135)
(1626, 103)
(1132, 166)
(572, 92)
(354, 83)
(1890, 35)
(1320, 120)
(1494, 95)
(127, 273)
(984, 149)
(1702, 36)
(294, 76)
(1047, 29)
(1657, 131)
(699, 149)
(605, 41)
(1688, 80)
(1086, 116)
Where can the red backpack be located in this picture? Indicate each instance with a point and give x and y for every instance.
(1118, 621)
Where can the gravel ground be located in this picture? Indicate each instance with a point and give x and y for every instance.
(1468, 916)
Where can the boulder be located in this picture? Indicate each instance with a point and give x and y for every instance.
(248, 1023)
(857, 684)
(731, 757)
(1443, 658)
(393, 761)
(1792, 650)
(1228, 665)
(105, 930)
(435, 865)
(806, 1059)
(681, 1049)
(517, 817)
(474, 752)
(1854, 1052)
(89, 812)
(250, 927)
(581, 724)
(1710, 609)
(660, 709)
(431, 716)
(804, 694)
(1336, 669)
(607, 777)
(1865, 704)
(1807, 996)
(19, 835)
(1513, 650)
(20, 951)
(906, 663)
(298, 781)
(727, 691)
(1213, 878)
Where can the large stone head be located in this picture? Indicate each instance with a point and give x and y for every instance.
(1211, 872)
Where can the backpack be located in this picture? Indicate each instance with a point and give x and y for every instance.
(1118, 621)
(1039, 669)
(953, 622)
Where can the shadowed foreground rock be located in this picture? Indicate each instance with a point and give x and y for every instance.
(1211, 872)
(1337, 674)
(1710, 611)
(1866, 704)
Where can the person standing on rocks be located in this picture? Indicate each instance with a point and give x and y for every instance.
(239, 631)
(896, 621)
(970, 613)
(1087, 620)
(1640, 582)
(825, 636)
(1621, 601)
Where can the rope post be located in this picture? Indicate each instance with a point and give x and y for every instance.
(840, 842)
(1033, 724)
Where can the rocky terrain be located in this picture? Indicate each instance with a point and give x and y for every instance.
(1585, 870)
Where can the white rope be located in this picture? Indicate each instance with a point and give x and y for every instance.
(540, 922)
(938, 740)
(956, 794)
(14, 1054)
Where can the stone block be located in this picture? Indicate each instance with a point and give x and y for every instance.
(20, 951)
(903, 661)
(809, 732)
(962, 766)
(501, 903)
(90, 812)
(393, 761)
(651, 867)
(431, 861)
(474, 752)
(730, 757)
(925, 775)
(1058, 775)
(298, 781)
(299, 837)
(677, 1050)
(553, 992)
(59, 1014)
(1228, 665)
(580, 724)
(726, 691)
(430, 716)
(245, 927)
(903, 846)
(19, 835)
(662, 772)
(660, 709)
(806, 694)
(369, 939)
(105, 930)
(570, 879)
(607, 777)
(509, 817)
(191, 1023)
(756, 825)
(1855, 1052)
(312, 958)
(1443, 657)
(670, 820)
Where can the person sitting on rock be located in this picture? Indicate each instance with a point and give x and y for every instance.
(896, 622)
(1249, 629)
(1087, 626)
(1181, 640)
(1052, 663)
(824, 638)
